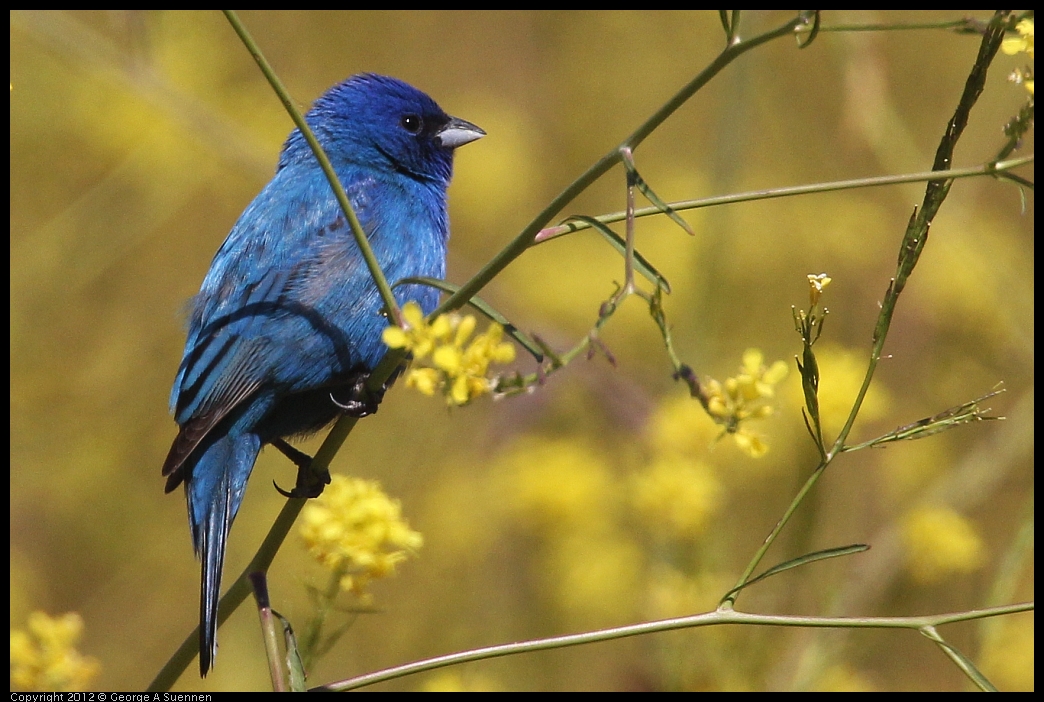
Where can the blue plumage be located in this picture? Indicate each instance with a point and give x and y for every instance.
(288, 321)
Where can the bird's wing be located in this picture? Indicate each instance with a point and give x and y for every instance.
(251, 324)
(225, 363)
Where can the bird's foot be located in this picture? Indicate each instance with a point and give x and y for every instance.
(359, 400)
(309, 482)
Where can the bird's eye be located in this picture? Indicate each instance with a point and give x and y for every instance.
(412, 123)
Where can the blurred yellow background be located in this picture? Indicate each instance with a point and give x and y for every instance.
(603, 498)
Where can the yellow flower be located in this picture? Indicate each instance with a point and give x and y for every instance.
(940, 542)
(755, 381)
(44, 657)
(739, 399)
(1022, 42)
(357, 531)
(418, 337)
(1007, 654)
(816, 285)
(557, 484)
(676, 496)
(449, 359)
(425, 380)
(750, 443)
(458, 369)
(1019, 44)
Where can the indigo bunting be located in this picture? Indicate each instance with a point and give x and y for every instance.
(287, 324)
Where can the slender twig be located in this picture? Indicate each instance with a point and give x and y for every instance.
(629, 239)
(525, 238)
(716, 618)
(324, 162)
(236, 594)
(999, 169)
(912, 245)
(966, 24)
(962, 661)
(270, 630)
(935, 193)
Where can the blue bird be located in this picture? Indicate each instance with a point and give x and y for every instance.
(287, 324)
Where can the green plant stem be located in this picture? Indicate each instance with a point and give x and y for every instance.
(935, 193)
(629, 286)
(998, 169)
(962, 661)
(235, 595)
(525, 238)
(271, 631)
(324, 162)
(718, 617)
(913, 243)
(968, 24)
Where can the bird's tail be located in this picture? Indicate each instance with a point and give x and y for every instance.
(214, 492)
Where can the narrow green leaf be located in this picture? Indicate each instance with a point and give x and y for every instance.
(800, 561)
(616, 241)
(947, 419)
(723, 15)
(482, 306)
(810, 383)
(651, 196)
(293, 656)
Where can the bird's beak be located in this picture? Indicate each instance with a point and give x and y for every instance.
(458, 132)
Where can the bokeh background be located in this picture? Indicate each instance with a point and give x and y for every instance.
(604, 497)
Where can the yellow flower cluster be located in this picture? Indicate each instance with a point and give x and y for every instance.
(739, 399)
(44, 658)
(940, 542)
(1007, 655)
(567, 492)
(1023, 43)
(452, 365)
(357, 531)
(556, 484)
(677, 496)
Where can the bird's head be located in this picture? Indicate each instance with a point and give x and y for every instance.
(382, 122)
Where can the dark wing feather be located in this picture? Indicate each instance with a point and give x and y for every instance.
(193, 432)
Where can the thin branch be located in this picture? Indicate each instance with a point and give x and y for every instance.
(717, 617)
(324, 162)
(997, 169)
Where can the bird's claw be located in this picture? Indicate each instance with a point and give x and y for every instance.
(310, 483)
(361, 400)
